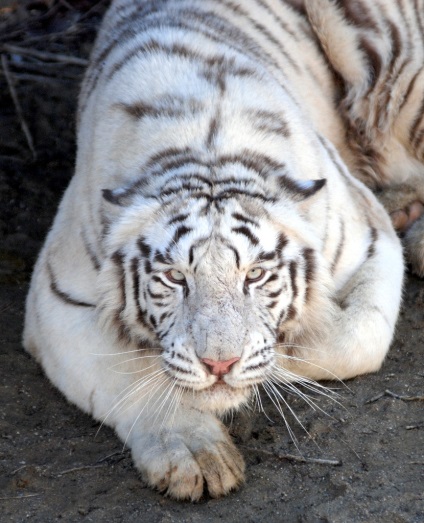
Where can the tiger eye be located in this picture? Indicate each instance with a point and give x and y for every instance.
(255, 274)
(175, 276)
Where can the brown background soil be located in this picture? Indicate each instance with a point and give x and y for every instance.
(54, 464)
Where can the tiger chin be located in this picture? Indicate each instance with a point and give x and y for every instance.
(220, 235)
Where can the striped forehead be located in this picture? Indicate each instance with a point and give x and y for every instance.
(191, 234)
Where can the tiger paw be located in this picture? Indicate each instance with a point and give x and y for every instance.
(414, 246)
(404, 205)
(183, 466)
(406, 209)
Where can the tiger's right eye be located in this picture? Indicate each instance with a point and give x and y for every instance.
(175, 276)
(255, 274)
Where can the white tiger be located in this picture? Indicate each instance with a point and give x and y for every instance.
(216, 236)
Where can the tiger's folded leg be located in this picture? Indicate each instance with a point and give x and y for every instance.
(364, 315)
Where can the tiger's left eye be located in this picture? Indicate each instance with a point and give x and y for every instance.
(175, 276)
(255, 274)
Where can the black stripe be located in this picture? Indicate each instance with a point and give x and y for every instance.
(154, 295)
(247, 233)
(118, 259)
(244, 219)
(266, 256)
(416, 124)
(177, 368)
(180, 232)
(144, 248)
(177, 219)
(293, 276)
(309, 268)
(373, 241)
(147, 267)
(168, 106)
(276, 293)
(64, 296)
(282, 242)
(233, 192)
(136, 280)
(340, 246)
(291, 313)
(236, 254)
(162, 258)
(269, 122)
(272, 278)
(158, 280)
(89, 250)
(255, 161)
(141, 313)
(213, 130)
(297, 189)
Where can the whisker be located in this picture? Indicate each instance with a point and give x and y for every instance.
(259, 400)
(119, 353)
(172, 407)
(162, 405)
(143, 369)
(309, 362)
(291, 379)
(271, 394)
(297, 346)
(134, 388)
(283, 399)
(144, 407)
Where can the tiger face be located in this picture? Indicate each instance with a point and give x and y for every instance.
(215, 281)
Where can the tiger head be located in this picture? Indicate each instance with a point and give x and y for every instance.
(214, 275)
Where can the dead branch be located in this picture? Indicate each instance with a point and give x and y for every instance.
(78, 469)
(52, 80)
(48, 57)
(403, 398)
(292, 457)
(17, 105)
(394, 395)
(23, 496)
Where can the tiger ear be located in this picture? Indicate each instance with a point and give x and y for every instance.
(116, 196)
(123, 200)
(300, 190)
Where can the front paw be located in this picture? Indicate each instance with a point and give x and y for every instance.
(183, 463)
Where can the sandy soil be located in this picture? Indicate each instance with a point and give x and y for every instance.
(54, 462)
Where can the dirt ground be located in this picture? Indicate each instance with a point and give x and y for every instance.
(359, 459)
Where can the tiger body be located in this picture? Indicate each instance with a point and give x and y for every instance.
(215, 235)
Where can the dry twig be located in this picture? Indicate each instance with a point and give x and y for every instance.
(49, 80)
(23, 496)
(394, 395)
(17, 105)
(48, 57)
(78, 469)
(292, 457)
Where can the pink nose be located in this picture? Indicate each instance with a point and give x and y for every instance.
(219, 368)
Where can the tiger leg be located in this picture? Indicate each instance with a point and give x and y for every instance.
(363, 322)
